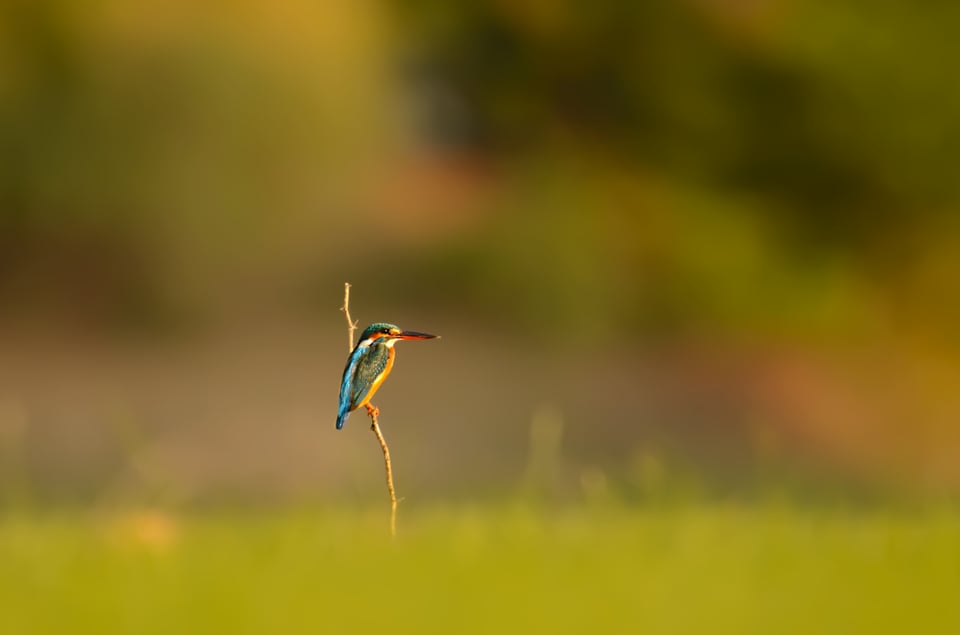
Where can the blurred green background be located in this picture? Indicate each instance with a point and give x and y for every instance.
(680, 254)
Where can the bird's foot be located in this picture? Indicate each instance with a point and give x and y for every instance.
(373, 411)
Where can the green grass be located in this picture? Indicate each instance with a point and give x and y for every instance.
(686, 569)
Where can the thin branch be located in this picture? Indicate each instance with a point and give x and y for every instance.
(351, 325)
(374, 413)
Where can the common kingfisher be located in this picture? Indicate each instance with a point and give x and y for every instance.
(369, 364)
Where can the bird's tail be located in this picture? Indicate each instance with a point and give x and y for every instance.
(342, 418)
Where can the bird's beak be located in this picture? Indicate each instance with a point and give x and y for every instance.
(413, 335)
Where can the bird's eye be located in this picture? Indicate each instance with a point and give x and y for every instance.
(385, 331)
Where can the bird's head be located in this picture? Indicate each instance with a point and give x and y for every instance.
(390, 334)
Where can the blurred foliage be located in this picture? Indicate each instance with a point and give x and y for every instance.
(777, 164)
(165, 149)
(829, 108)
(808, 149)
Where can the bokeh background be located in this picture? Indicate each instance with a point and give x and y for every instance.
(710, 238)
(695, 266)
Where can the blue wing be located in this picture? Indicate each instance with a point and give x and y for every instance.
(365, 365)
(347, 385)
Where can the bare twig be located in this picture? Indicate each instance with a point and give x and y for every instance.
(374, 413)
(351, 325)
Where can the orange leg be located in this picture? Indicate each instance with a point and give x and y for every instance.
(372, 410)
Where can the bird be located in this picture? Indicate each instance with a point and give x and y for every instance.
(368, 366)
